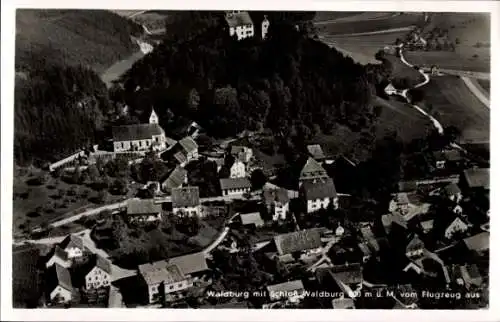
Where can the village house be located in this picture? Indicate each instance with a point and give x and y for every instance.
(291, 292)
(141, 137)
(457, 225)
(265, 27)
(427, 225)
(252, 219)
(242, 153)
(318, 194)
(234, 186)
(316, 152)
(175, 179)
(479, 243)
(193, 266)
(390, 89)
(143, 210)
(185, 151)
(349, 278)
(312, 170)
(99, 274)
(237, 169)
(59, 286)
(163, 280)
(415, 247)
(186, 200)
(277, 202)
(240, 24)
(73, 246)
(58, 256)
(400, 203)
(304, 243)
(470, 275)
(429, 264)
(453, 192)
(450, 159)
(476, 179)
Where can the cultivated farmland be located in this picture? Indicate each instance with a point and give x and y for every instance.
(452, 103)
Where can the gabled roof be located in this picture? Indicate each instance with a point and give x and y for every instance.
(188, 144)
(312, 169)
(457, 221)
(71, 241)
(161, 271)
(347, 274)
(319, 189)
(238, 19)
(279, 195)
(185, 197)
(452, 189)
(58, 275)
(252, 218)
(180, 157)
(316, 151)
(286, 287)
(414, 242)
(175, 179)
(477, 178)
(396, 218)
(142, 207)
(136, 132)
(235, 183)
(103, 264)
(191, 263)
(427, 224)
(479, 242)
(298, 241)
(447, 155)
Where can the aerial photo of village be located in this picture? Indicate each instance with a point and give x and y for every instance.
(251, 159)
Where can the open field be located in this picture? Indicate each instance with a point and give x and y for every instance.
(325, 17)
(401, 71)
(362, 48)
(484, 84)
(356, 25)
(470, 32)
(454, 104)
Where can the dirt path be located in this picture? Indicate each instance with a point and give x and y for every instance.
(476, 91)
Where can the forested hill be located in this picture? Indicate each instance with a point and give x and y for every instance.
(92, 38)
(288, 82)
(60, 101)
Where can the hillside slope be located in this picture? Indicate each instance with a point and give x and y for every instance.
(93, 38)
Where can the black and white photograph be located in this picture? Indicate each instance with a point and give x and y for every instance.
(250, 159)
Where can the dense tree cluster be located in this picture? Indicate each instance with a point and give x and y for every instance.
(57, 111)
(288, 81)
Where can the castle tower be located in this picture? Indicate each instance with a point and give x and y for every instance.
(153, 118)
(265, 27)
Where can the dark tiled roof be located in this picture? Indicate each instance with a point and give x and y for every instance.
(479, 242)
(238, 19)
(298, 241)
(59, 252)
(389, 219)
(191, 263)
(319, 189)
(286, 287)
(185, 197)
(347, 274)
(59, 275)
(188, 144)
(234, 183)
(72, 241)
(415, 242)
(175, 179)
(161, 271)
(142, 206)
(278, 195)
(452, 189)
(103, 264)
(448, 155)
(477, 178)
(316, 151)
(135, 132)
(312, 169)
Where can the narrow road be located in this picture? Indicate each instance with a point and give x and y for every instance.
(476, 91)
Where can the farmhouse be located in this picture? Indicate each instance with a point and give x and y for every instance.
(316, 152)
(277, 202)
(99, 274)
(252, 219)
(59, 286)
(457, 225)
(143, 210)
(234, 186)
(186, 200)
(58, 256)
(312, 170)
(415, 247)
(192, 265)
(304, 241)
(162, 279)
(292, 291)
(141, 137)
(175, 179)
(240, 24)
(390, 90)
(318, 194)
(242, 153)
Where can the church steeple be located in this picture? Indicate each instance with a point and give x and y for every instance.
(153, 118)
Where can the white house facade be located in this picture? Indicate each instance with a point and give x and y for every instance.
(61, 294)
(237, 170)
(240, 24)
(457, 225)
(97, 278)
